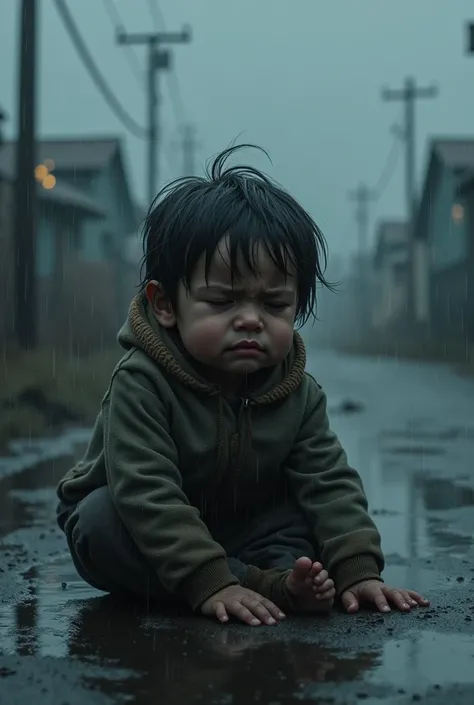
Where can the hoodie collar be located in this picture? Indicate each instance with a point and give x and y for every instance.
(166, 349)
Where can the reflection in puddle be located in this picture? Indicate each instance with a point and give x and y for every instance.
(189, 660)
(407, 484)
(427, 659)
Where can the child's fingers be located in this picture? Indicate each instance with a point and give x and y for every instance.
(415, 598)
(350, 601)
(397, 598)
(379, 599)
(221, 612)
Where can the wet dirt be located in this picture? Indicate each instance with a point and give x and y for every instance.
(63, 642)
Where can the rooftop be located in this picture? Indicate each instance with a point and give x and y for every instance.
(71, 153)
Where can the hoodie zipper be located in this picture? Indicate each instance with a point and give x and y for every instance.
(236, 439)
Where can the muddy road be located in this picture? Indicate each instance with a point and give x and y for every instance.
(410, 430)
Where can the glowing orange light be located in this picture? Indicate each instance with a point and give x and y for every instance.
(457, 213)
(49, 182)
(41, 172)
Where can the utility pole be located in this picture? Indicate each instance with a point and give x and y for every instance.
(158, 60)
(363, 196)
(409, 94)
(189, 150)
(3, 118)
(25, 189)
(470, 37)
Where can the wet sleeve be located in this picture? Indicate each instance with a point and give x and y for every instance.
(331, 495)
(146, 486)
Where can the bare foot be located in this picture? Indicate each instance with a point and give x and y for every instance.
(310, 586)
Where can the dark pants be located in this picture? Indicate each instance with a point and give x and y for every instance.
(106, 557)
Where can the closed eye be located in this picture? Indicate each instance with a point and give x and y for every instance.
(220, 303)
(276, 305)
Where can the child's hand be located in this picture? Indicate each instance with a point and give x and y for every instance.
(379, 594)
(244, 604)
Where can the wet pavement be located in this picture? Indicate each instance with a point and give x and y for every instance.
(411, 434)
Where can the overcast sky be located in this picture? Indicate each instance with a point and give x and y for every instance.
(301, 78)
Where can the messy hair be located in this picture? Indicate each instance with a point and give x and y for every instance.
(191, 215)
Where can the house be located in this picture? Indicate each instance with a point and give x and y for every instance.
(98, 273)
(96, 167)
(444, 269)
(63, 215)
(390, 275)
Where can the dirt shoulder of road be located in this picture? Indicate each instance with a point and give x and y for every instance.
(457, 353)
(42, 391)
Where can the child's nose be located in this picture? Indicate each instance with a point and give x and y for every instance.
(248, 318)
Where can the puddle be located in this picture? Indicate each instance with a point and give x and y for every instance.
(27, 498)
(415, 450)
(179, 660)
(190, 661)
(26, 453)
(430, 433)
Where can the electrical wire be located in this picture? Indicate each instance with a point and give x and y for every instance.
(388, 170)
(156, 14)
(131, 56)
(86, 57)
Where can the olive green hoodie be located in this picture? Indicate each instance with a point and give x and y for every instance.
(180, 459)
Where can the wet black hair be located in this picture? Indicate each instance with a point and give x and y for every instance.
(191, 215)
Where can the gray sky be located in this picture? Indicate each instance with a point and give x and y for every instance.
(300, 78)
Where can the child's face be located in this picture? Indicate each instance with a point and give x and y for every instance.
(217, 320)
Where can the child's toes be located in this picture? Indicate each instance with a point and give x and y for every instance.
(320, 588)
(315, 570)
(320, 578)
(328, 595)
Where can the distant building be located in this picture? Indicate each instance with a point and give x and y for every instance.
(96, 167)
(441, 225)
(87, 175)
(63, 215)
(390, 282)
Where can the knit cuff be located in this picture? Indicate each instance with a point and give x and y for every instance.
(272, 585)
(353, 570)
(206, 581)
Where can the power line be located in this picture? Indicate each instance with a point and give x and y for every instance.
(388, 170)
(114, 104)
(157, 15)
(130, 54)
(174, 88)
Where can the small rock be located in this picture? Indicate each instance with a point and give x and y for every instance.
(64, 586)
(460, 579)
